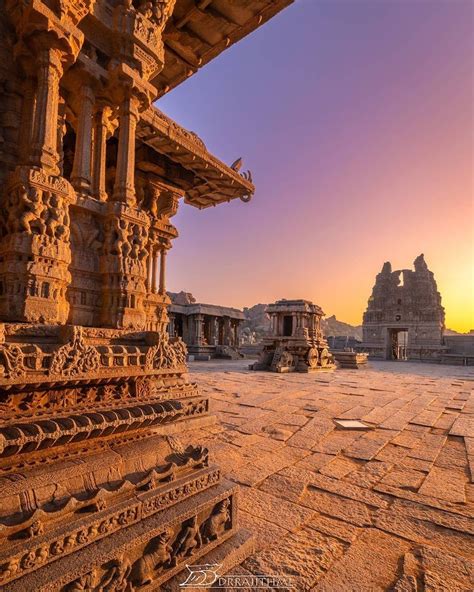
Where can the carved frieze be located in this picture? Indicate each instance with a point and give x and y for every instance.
(52, 547)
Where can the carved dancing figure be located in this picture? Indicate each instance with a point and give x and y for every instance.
(30, 204)
(188, 539)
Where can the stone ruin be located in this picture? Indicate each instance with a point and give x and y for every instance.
(208, 330)
(404, 317)
(95, 492)
(296, 343)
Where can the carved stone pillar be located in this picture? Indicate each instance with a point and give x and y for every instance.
(27, 118)
(163, 252)
(124, 188)
(44, 145)
(149, 280)
(98, 169)
(214, 331)
(198, 322)
(227, 331)
(156, 270)
(81, 170)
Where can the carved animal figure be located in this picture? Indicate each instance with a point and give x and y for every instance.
(214, 526)
(145, 568)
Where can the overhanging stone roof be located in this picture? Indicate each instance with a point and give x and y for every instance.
(207, 309)
(200, 30)
(215, 182)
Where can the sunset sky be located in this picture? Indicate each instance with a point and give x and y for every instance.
(356, 120)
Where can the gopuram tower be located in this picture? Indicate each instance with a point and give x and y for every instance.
(96, 491)
(404, 317)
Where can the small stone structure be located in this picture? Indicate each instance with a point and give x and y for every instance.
(404, 317)
(350, 358)
(208, 330)
(297, 343)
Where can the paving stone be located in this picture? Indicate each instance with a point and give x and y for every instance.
(445, 484)
(434, 515)
(469, 442)
(305, 556)
(371, 564)
(369, 474)
(337, 507)
(463, 426)
(396, 497)
(284, 487)
(265, 532)
(274, 509)
(335, 528)
(348, 490)
(420, 531)
(311, 433)
(404, 478)
(339, 467)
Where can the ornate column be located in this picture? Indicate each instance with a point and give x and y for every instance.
(156, 263)
(100, 139)
(27, 118)
(163, 252)
(198, 322)
(81, 170)
(124, 188)
(215, 331)
(149, 279)
(44, 138)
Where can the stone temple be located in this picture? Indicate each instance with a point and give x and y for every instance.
(404, 317)
(296, 342)
(96, 493)
(208, 330)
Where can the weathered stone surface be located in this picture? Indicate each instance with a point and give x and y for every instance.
(335, 506)
(356, 570)
(445, 484)
(306, 556)
(274, 509)
(381, 495)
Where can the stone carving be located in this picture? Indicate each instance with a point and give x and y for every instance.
(215, 525)
(75, 357)
(154, 559)
(116, 578)
(165, 354)
(84, 583)
(188, 539)
(24, 438)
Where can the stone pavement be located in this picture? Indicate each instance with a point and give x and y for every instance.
(389, 507)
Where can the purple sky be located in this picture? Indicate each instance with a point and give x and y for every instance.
(355, 117)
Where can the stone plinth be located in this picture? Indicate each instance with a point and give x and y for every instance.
(350, 359)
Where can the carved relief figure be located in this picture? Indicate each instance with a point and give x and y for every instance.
(159, 555)
(215, 525)
(188, 539)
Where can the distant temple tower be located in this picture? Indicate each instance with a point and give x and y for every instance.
(404, 317)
